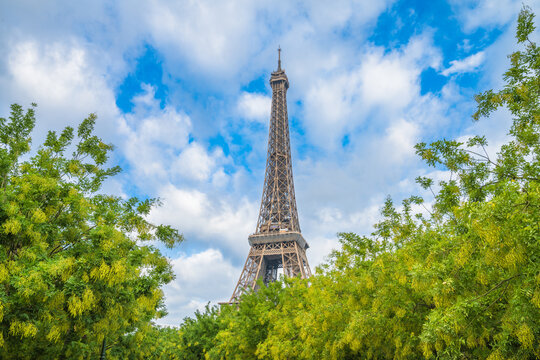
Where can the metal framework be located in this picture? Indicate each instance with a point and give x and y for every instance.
(277, 241)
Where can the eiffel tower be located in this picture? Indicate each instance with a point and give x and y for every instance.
(277, 241)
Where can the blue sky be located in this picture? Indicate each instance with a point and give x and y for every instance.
(182, 90)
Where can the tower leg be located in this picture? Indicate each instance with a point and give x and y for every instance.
(249, 275)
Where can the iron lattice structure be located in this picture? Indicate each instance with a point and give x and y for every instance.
(277, 241)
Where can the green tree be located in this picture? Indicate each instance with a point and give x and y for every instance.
(152, 342)
(198, 334)
(75, 265)
(463, 282)
(243, 327)
(192, 341)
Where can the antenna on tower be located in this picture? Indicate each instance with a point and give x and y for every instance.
(279, 59)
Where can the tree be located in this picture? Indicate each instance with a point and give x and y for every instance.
(463, 282)
(243, 327)
(76, 268)
(198, 334)
(153, 342)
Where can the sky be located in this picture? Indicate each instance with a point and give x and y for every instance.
(182, 90)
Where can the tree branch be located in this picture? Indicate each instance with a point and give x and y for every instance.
(482, 156)
(497, 286)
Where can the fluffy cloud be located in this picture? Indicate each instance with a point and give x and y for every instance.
(196, 163)
(159, 146)
(321, 229)
(387, 80)
(217, 221)
(254, 106)
(200, 278)
(328, 15)
(401, 137)
(228, 38)
(470, 63)
(383, 83)
(152, 137)
(210, 34)
(474, 13)
(61, 78)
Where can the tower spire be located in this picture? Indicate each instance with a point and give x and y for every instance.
(279, 59)
(277, 242)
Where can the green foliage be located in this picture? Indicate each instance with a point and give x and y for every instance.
(74, 268)
(198, 334)
(462, 282)
(151, 342)
(245, 326)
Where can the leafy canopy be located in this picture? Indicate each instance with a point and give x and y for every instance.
(75, 264)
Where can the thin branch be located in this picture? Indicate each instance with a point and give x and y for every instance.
(485, 152)
(60, 209)
(427, 209)
(497, 286)
(500, 296)
(482, 156)
(430, 189)
(490, 183)
(54, 251)
(491, 304)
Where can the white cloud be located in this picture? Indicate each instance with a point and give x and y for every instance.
(225, 38)
(387, 80)
(220, 179)
(382, 83)
(477, 13)
(210, 34)
(61, 79)
(53, 73)
(195, 162)
(322, 227)
(157, 144)
(401, 137)
(200, 278)
(468, 64)
(218, 221)
(254, 106)
(152, 137)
